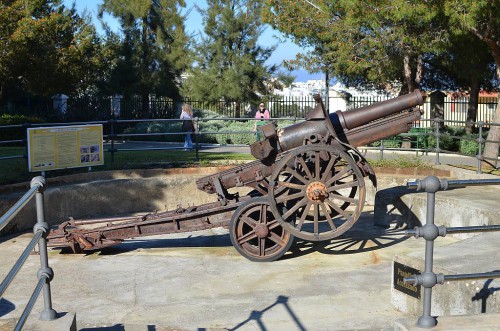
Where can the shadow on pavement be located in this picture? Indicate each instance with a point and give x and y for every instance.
(362, 237)
(116, 327)
(6, 307)
(256, 317)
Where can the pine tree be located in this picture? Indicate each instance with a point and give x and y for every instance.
(230, 62)
(154, 48)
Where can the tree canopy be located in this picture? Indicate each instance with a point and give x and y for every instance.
(230, 63)
(154, 50)
(482, 20)
(45, 48)
(362, 43)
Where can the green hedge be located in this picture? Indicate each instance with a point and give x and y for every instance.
(16, 133)
(212, 131)
(469, 147)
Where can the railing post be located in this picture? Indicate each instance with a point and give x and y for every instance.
(112, 136)
(48, 313)
(437, 134)
(381, 147)
(480, 141)
(428, 279)
(196, 131)
(426, 320)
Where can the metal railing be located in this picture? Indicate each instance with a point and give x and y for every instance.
(113, 132)
(430, 231)
(418, 140)
(45, 274)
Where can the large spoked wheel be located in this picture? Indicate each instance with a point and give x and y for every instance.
(324, 193)
(256, 234)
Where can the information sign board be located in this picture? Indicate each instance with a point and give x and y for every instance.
(61, 147)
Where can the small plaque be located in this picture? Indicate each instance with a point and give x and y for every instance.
(402, 271)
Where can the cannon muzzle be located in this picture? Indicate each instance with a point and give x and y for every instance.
(340, 124)
(357, 117)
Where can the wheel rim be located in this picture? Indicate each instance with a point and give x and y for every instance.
(256, 234)
(324, 196)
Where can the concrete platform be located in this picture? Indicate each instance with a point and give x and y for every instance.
(197, 281)
(471, 206)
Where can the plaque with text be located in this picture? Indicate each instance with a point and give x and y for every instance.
(62, 147)
(402, 271)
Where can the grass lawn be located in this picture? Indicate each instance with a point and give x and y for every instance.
(16, 170)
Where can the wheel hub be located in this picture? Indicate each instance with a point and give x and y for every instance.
(317, 191)
(262, 231)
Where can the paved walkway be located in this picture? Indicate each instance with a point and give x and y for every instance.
(197, 281)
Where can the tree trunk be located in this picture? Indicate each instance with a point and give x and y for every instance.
(408, 73)
(145, 104)
(491, 148)
(144, 79)
(237, 109)
(472, 110)
(412, 75)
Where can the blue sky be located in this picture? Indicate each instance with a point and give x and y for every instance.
(284, 51)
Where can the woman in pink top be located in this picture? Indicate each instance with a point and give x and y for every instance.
(262, 116)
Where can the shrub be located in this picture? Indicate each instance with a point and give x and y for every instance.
(16, 133)
(400, 162)
(469, 147)
(446, 142)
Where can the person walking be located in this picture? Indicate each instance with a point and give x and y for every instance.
(187, 125)
(261, 117)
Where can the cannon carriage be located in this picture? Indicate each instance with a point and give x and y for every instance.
(308, 181)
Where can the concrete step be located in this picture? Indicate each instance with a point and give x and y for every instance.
(471, 206)
(482, 322)
(474, 253)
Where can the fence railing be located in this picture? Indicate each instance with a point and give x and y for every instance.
(430, 231)
(45, 274)
(426, 136)
(86, 108)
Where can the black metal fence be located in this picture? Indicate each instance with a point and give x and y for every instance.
(95, 108)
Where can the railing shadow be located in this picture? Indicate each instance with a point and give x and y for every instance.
(6, 307)
(485, 293)
(257, 315)
(116, 327)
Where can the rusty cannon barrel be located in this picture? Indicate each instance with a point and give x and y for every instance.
(360, 116)
(355, 127)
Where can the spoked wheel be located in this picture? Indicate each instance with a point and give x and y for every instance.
(325, 194)
(256, 234)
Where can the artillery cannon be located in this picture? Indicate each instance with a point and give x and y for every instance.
(307, 180)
